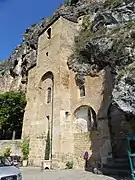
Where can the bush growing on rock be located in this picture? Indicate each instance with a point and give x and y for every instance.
(107, 39)
(69, 165)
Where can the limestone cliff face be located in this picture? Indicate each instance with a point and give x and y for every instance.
(108, 36)
(109, 41)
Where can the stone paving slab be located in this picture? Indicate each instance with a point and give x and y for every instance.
(36, 174)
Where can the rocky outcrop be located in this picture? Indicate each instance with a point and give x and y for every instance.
(107, 39)
(124, 90)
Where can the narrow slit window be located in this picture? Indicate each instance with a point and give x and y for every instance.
(49, 33)
(49, 94)
(82, 91)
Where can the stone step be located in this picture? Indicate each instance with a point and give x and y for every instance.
(118, 160)
(117, 166)
(117, 172)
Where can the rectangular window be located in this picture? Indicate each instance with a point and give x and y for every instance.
(82, 91)
(49, 94)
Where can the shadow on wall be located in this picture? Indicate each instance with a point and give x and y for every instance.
(97, 137)
(120, 124)
(112, 126)
(93, 163)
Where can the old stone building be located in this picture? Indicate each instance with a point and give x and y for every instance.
(64, 107)
(81, 104)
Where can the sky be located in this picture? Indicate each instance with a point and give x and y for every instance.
(16, 16)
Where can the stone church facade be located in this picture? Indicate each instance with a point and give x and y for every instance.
(74, 116)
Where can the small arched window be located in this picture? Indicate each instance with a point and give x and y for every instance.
(49, 94)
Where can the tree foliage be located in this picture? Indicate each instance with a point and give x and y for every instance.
(12, 106)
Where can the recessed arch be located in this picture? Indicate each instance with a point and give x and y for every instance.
(85, 119)
(47, 75)
(46, 104)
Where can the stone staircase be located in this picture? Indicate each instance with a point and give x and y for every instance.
(117, 167)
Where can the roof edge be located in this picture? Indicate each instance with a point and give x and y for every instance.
(51, 21)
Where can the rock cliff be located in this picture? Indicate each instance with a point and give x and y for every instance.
(107, 38)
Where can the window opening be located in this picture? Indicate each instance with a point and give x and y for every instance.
(82, 91)
(49, 91)
(92, 119)
(49, 33)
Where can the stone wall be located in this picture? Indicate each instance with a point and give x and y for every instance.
(89, 142)
(13, 144)
(82, 143)
(30, 113)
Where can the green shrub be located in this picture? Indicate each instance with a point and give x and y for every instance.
(5, 152)
(69, 165)
(25, 148)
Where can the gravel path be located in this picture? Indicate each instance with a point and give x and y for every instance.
(36, 174)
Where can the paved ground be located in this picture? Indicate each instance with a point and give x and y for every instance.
(36, 174)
